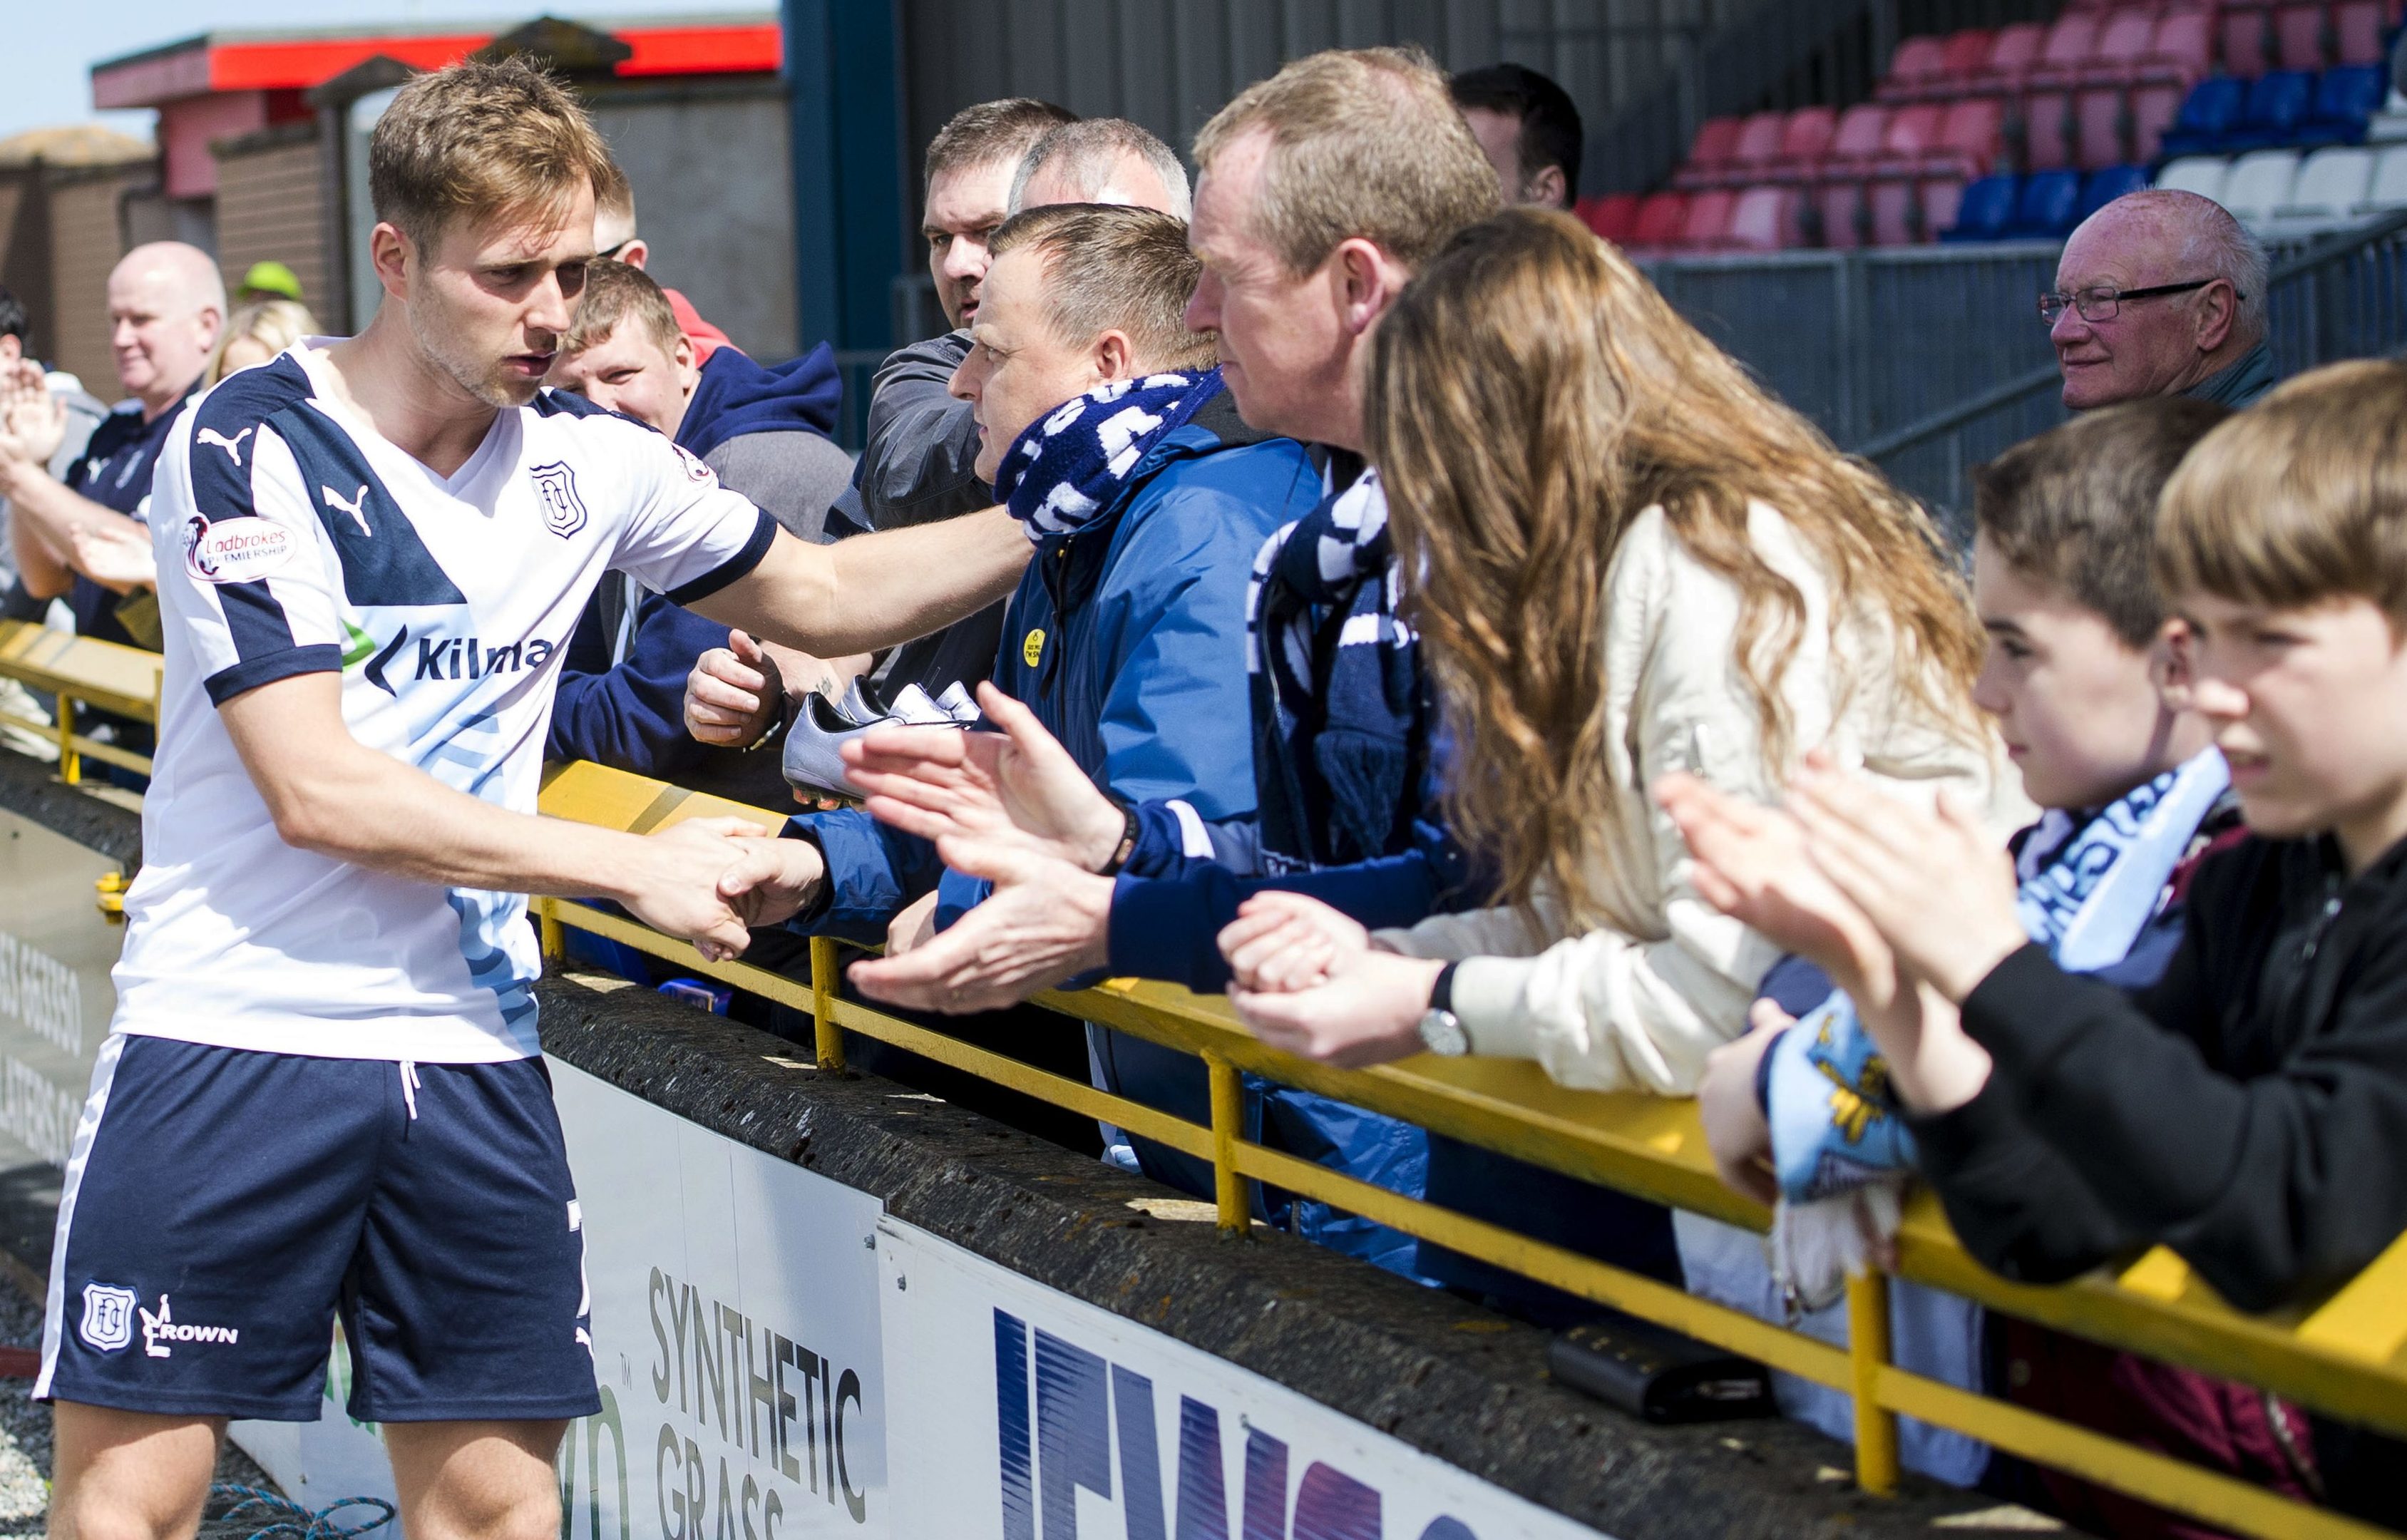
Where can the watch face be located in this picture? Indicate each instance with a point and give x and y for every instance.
(1442, 1034)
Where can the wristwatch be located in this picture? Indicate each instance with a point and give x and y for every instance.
(1441, 1030)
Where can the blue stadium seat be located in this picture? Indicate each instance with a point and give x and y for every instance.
(2212, 109)
(2103, 187)
(2048, 205)
(2278, 105)
(1987, 213)
(2345, 97)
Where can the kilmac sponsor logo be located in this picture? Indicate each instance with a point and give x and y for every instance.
(440, 657)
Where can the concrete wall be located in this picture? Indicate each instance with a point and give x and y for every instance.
(714, 198)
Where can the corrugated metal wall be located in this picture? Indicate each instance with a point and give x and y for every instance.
(1170, 63)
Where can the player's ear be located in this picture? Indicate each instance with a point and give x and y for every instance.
(390, 253)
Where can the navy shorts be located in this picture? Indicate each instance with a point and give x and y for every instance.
(222, 1205)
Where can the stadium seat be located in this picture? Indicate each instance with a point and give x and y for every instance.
(2345, 97)
(1913, 132)
(2099, 116)
(2153, 108)
(1907, 211)
(1942, 204)
(1659, 220)
(2012, 57)
(2203, 175)
(1709, 152)
(2046, 206)
(2356, 30)
(2048, 129)
(2101, 188)
(2213, 110)
(1863, 130)
(2182, 53)
(2389, 188)
(2247, 42)
(1972, 139)
(2277, 109)
(1766, 219)
(2124, 43)
(1804, 142)
(1841, 219)
(2072, 42)
(2331, 184)
(1706, 226)
(2261, 182)
(1918, 63)
(1758, 149)
(1967, 55)
(2298, 34)
(1986, 212)
(1614, 217)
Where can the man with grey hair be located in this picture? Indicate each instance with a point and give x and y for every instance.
(2158, 293)
(82, 536)
(1101, 160)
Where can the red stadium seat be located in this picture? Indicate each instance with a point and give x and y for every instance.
(1844, 221)
(1709, 154)
(2070, 46)
(1863, 130)
(1805, 142)
(2152, 111)
(1918, 63)
(1912, 133)
(1659, 221)
(2247, 42)
(2357, 28)
(1894, 207)
(1973, 140)
(1614, 217)
(1940, 198)
(2298, 36)
(2098, 115)
(2014, 56)
(1967, 55)
(1758, 145)
(1706, 227)
(2182, 52)
(1766, 219)
(2048, 130)
(2125, 41)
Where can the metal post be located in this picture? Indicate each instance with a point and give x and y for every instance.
(1228, 1116)
(1868, 1351)
(825, 1032)
(555, 936)
(70, 762)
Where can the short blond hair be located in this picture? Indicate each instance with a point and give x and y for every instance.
(614, 293)
(1113, 268)
(2299, 500)
(274, 324)
(487, 140)
(1364, 142)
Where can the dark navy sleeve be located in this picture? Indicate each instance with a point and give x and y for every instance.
(632, 716)
(874, 873)
(1169, 927)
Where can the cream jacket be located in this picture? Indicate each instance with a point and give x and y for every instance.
(1639, 1006)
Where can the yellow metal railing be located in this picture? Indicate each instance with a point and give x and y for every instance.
(80, 673)
(2344, 1354)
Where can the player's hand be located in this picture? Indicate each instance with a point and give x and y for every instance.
(1016, 786)
(733, 695)
(677, 889)
(1940, 891)
(1752, 862)
(771, 879)
(1736, 1131)
(1367, 1012)
(1283, 941)
(1045, 921)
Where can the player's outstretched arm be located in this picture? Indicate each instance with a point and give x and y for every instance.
(878, 589)
(333, 795)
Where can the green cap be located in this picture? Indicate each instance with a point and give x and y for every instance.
(271, 278)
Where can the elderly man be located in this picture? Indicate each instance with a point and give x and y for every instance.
(1529, 129)
(83, 536)
(1101, 160)
(2158, 293)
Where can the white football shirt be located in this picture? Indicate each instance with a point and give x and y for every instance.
(293, 538)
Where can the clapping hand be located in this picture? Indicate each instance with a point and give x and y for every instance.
(1044, 921)
(1014, 787)
(33, 424)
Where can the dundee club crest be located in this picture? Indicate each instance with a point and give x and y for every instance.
(555, 487)
(107, 1316)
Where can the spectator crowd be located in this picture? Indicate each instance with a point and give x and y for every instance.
(1432, 640)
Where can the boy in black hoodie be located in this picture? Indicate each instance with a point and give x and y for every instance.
(2250, 1109)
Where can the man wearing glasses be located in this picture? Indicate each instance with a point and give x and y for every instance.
(2161, 294)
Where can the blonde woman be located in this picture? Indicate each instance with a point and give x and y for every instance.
(256, 333)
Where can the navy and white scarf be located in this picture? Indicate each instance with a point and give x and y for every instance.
(1071, 463)
(1340, 722)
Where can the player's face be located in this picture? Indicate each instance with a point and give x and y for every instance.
(629, 371)
(489, 300)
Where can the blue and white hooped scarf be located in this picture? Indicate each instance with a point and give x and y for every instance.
(2086, 892)
(1070, 464)
(1340, 721)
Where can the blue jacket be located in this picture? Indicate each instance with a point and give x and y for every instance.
(1126, 638)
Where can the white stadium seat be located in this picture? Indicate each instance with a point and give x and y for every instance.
(2331, 183)
(2389, 188)
(2260, 183)
(2201, 174)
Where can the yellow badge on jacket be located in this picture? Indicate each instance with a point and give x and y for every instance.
(1034, 647)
